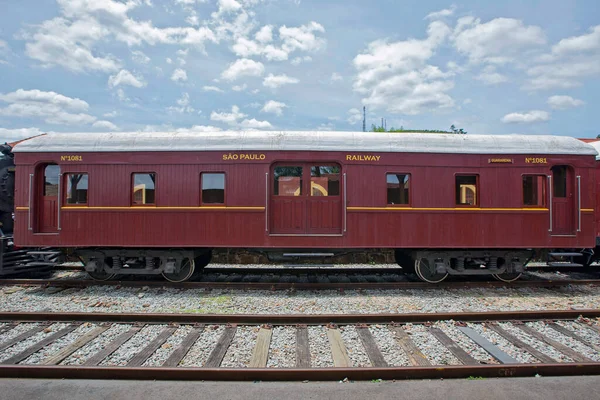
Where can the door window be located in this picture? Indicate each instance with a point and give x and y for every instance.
(51, 173)
(325, 180)
(559, 181)
(288, 181)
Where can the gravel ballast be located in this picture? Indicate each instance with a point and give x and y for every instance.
(320, 350)
(282, 352)
(200, 351)
(229, 301)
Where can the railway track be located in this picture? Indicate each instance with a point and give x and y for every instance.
(299, 347)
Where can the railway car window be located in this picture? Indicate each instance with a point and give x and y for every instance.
(77, 188)
(397, 189)
(288, 181)
(534, 190)
(143, 189)
(559, 180)
(325, 180)
(51, 173)
(466, 190)
(213, 188)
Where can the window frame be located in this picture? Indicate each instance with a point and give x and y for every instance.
(319, 165)
(409, 190)
(66, 190)
(477, 191)
(293, 164)
(545, 187)
(132, 187)
(201, 202)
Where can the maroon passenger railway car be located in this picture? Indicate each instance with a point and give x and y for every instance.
(158, 203)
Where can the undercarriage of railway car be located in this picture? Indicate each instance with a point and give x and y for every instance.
(175, 265)
(436, 265)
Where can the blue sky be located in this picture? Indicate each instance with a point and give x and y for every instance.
(528, 67)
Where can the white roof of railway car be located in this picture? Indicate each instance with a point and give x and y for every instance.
(308, 141)
(596, 145)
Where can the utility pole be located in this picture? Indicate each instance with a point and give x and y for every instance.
(364, 119)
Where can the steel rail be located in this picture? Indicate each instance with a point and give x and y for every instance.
(83, 283)
(296, 374)
(291, 319)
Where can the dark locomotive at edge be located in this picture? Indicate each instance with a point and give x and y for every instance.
(158, 203)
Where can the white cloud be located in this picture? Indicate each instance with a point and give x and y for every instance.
(498, 41)
(12, 135)
(139, 57)
(274, 107)
(124, 77)
(68, 40)
(238, 119)
(121, 95)
(255, 124)
(243, 67)
(302, 38)
(111, 114)
(395, 76)
(273, 53)
(168, 60)
(441, 13)
(69, 45)
(192, 19)
(564, 102)
(239, 88)
(265, 34)
(198, 129)
(570, 62)
(228, 118)
(578, 44)
(354, 116)
(212, 89)
(335, 77)
(179, 75)
(300, 60)
(228, 6)
(489, 76)
(526, 118)
(184, 105)
(50, 107)
(50, 113)
(326, 127)
(275, 81)
(37, 96)
(564, 74)
(105, 125)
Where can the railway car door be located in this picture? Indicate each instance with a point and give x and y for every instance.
(306, 199)
(563, 200)
(47, 192)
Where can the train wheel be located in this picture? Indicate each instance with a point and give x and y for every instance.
(103, 275)
(508, 277)
(185, 272)
(426, 271)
